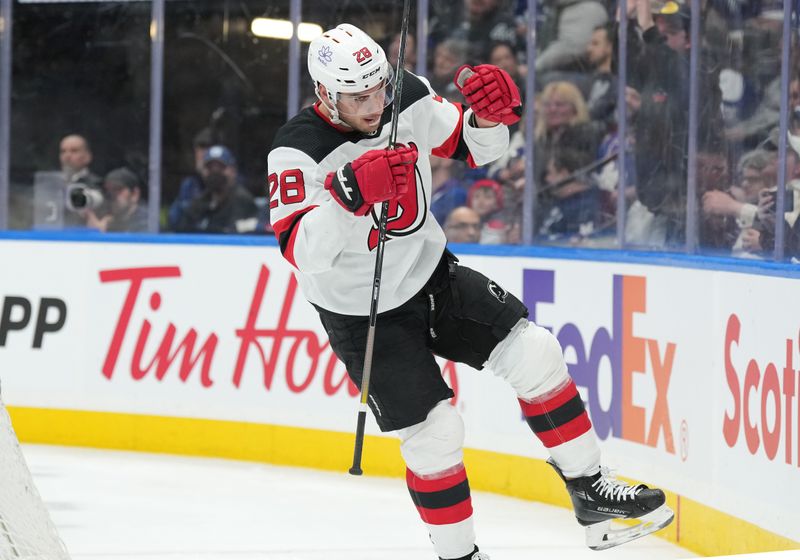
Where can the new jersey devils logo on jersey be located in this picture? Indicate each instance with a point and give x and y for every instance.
(406, 215)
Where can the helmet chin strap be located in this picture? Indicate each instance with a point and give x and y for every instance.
(332, 110)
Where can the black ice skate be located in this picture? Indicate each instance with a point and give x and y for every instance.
(475, 555)
(601, 498)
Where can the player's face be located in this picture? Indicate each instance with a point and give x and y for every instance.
(362, 111)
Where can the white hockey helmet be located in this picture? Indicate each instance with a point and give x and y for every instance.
(348, 61)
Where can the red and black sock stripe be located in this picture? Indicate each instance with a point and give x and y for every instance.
(441, 501)
(559, 418)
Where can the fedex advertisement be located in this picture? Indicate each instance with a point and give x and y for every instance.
(689, 376)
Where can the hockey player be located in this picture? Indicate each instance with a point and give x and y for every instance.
(328, 171)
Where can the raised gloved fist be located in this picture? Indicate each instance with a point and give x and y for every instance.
(490, 92)
(375, 176)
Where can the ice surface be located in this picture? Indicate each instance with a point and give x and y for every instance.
(134, 506)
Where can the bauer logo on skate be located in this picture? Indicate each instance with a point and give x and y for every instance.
(629, 356)
(763, 397)
(300, 354)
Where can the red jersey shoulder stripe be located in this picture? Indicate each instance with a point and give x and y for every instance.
(286, 232)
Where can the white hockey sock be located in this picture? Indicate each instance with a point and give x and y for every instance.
(531, 360)
(445, 506)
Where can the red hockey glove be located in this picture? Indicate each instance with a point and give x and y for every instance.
(375, 176)
(490, 92)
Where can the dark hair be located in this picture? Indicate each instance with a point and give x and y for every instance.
(203, 139)
(81, 136)
(570, 159)
(494, 44)
(608, 28)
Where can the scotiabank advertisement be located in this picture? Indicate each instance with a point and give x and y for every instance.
(690, 376)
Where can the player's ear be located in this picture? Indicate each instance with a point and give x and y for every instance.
(323, 95)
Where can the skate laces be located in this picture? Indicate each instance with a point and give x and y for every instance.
(609, 487)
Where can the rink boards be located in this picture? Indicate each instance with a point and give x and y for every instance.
(689, 372)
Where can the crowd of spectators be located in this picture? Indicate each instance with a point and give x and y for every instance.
(576, 141)
(209, 200)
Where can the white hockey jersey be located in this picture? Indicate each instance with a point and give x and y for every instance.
(333, 250)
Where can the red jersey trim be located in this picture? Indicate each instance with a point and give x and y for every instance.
(448, 147)
(286, 232)
(328, 120)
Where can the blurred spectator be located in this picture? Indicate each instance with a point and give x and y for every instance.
(717, 230)
(571, 203)
(757, 171)
(673, 21)
(502, 55)
(487, 21)
(766, 115)
(448, 190)
(485, 196)
(567, 29)
(123, 192)
(603, 87)
(224, 206)
(563, 121)
(661, 77)
(393, 52)
(448, 57)
(76, 157)
(760, 239)
(463, 225)
(192, 185)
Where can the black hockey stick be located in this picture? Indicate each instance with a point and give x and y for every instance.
(376, 282)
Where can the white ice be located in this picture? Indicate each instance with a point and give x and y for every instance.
(134, 506)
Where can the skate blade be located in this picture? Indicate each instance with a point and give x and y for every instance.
(601, 536)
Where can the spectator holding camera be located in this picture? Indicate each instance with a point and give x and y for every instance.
(75, 157)
(757, 171)
(224, 206)
(760, 239)
(123, 195)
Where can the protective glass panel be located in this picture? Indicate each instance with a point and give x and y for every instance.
(737, 169)
(225, 85)
(80, 111)
(484, 204)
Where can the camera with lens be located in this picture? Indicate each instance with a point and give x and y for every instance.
(82, 197)
(788, 198)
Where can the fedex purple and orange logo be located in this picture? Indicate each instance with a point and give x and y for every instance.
(628, 354)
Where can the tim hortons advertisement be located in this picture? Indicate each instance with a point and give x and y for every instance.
(689, 376)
